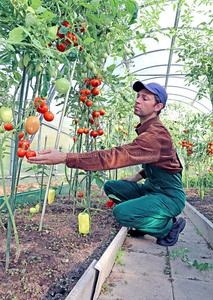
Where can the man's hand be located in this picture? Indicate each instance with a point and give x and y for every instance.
(135, 178)
(50, 157)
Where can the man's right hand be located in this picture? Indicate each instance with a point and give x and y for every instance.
(135, 178)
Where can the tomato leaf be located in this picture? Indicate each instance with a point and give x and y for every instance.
(99, 182)
(111, 68)
(52, 32)
(17, 76)
(48, 15)
(17, 35)
(88, 41)
(114, 7)
(36, 4)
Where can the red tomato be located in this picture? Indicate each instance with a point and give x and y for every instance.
(21, 134)
(21, 152)
(82, 92)
(87, 81)
(91, 120)
(32, 125)
(39, 102)
(80, 195)
(60, 34)
(100, 131)
(93, 133)
(94, 82)
(8, 126)
(87, 92)
(43, 109)
(84, 25)
(30, 153)
(75, 44)
(66, 24)
(95, 91)
(81, 48)
(25, 144)
(67, 41)
(80, 130)
(95, 114)
(74, 138)
(102, 112)
(97, 124)
(83, 98)
(48, 116)
(110, 203)
(76, 121)
(74, 37)
(86, 130)
(88, 103)
(61, 47)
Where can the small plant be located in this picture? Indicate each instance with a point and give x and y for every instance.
(118, 258)
(201, 266)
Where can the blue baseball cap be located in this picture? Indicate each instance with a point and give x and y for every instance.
(154, 88)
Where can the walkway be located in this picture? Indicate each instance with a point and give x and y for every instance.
(148, 272)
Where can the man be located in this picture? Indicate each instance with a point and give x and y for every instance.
(152, 207)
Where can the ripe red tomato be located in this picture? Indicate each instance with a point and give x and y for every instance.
(21, 134)
(61, 47)
(91, 120)
(60, 34)
(94, 82)
(74, 138)
(39, 102)
(93, 133)
(87, 81)
(76, 121)
(67, 41)
(66, 24)
(48, 116)
(81, 48)
(21, 152)
(25, 144)
(87, 92)
(80, 195)
(74, 37)
(83, 98)
(32, 125)
(88, 103)
(86, 130)
(80, 130)
(95, 114)
(8, 126)
(100, 131)
(82, 92)
(97, 123)
(30, 153)
(43, 109)
(102, 112)
(95, 91)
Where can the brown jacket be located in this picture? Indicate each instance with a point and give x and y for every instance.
(153, 145)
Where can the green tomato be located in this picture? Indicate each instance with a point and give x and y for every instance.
(83, 75)
(116, 128)
(26, 60)
(95, 104)
(32, 210)
(90, 65)
(6, 114)
(127, 51)
(1, 129)
(120, 127)
(84, 69)
(121, 115)
(103, 138)
(62, 85)
(105, 55)
(38, 67)
(94, 71)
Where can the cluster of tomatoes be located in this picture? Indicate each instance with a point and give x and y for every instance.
(23, 146)
(95, 90)
(210, 148)
(210, 169)
(69, 38)
(188, 145)
(42, 108)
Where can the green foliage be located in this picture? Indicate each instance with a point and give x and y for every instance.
(118, 258)
(201, 266)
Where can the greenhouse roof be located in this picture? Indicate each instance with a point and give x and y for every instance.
(159, 63)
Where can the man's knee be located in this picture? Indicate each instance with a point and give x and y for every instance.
(108, 187)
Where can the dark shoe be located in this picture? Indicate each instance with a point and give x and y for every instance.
(173, 235)
(135, 232)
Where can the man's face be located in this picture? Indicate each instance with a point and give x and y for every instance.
(145, 103)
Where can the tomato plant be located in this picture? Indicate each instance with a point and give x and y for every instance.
(32, 125)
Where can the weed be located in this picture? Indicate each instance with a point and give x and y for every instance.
(118, 258)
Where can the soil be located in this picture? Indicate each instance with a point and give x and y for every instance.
(53, 260)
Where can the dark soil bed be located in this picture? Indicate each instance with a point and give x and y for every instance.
(53, 260)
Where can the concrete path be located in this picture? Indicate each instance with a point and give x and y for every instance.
(147, 271)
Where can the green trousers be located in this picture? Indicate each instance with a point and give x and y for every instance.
(149, 207)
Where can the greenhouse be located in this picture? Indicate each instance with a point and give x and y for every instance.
(118, 95)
